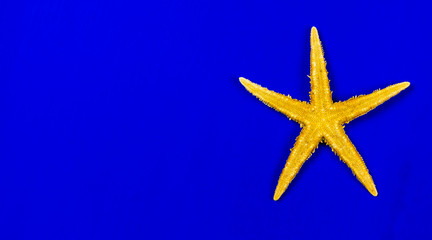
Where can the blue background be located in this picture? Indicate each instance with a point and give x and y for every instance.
(126, 120)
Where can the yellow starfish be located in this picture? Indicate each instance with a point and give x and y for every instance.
(322, 119)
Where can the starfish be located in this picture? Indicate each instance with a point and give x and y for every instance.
(322, 120)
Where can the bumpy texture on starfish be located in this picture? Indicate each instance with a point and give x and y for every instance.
(322, 119)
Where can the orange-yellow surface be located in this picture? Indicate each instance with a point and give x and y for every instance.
(322, 119)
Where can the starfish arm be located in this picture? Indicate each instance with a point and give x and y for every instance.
(361, 105)
(306, 143)
(320, 89)
(294, 109)
(342, 145)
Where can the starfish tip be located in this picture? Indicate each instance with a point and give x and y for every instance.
(406, 84)
(278, 193)
(373, 191)
(314, 33)
(315, 41)
(243, 80)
